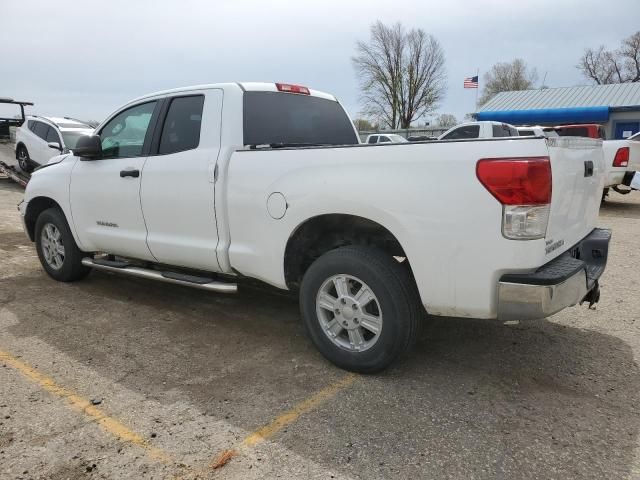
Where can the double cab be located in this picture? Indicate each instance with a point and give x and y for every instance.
(210, 185)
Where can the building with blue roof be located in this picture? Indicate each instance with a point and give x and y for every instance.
(616, 107)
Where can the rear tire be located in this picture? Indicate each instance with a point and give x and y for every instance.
(360, 307)
(24, 162)
(57, 250)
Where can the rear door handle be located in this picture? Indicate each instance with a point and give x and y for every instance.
(129, 173)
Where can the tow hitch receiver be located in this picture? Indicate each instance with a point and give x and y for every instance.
(592, 297)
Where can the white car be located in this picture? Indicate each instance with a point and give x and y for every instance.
(476, 130)
(209, 185)
(41, 138)
(537, 131)
(385, 138)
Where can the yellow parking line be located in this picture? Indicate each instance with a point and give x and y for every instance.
(267, 431)
(108, 424)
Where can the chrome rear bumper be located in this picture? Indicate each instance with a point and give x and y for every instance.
(563, 282)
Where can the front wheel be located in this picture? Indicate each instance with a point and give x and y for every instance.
(360, 307)
(57, 250)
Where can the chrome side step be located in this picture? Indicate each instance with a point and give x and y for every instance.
(185, 280)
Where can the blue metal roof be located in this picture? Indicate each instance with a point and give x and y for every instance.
(614, 96)
(547, 115)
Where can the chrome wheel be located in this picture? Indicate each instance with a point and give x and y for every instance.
(349, 313)
(52, 246)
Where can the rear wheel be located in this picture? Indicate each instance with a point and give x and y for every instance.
(23, 159)
(57, 250)
(360, 307)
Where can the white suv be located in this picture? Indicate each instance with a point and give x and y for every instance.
(40, 138)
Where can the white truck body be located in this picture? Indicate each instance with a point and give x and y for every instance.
(621, 157)
(230, 209)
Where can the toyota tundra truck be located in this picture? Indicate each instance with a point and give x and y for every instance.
(211, 185)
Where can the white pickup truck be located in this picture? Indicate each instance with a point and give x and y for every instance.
(209, 185)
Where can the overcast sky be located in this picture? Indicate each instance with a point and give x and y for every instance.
(84, 59)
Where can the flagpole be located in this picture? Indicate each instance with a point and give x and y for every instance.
(478, 87)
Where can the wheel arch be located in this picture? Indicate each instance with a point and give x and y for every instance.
(35, 207)
(322, 233)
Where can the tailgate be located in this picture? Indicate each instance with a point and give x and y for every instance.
(577, 170)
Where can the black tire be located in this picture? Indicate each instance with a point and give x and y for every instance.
(395, 292)
(24, 161)
(71, 268)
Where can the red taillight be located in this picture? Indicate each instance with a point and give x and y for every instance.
(517, 181)
(285, 87)
(622, 157)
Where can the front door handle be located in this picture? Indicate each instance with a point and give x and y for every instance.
(129, 173)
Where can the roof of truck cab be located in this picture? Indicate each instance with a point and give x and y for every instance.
(245, 86)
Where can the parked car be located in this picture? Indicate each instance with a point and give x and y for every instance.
(271, 184)
(41, 138)
(537, 131)
(421, 138)
(385, 138)
(622, 160)
(589, 130)
(484, 129)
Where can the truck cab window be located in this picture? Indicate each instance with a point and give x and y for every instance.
(123, 136)
(466, 131)
(181, 129)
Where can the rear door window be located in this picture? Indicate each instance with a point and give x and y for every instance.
(385, 140)
(289, 119)
(373, 139)
(181, 129)
(52, 136)
(504, 131)
(466, 131)
(41, 130)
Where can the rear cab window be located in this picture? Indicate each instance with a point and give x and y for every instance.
(290, 119)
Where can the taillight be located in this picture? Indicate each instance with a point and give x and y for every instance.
(523, 187)
(622, 157)
(285, 87)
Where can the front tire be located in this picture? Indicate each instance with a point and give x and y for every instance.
(23, 159)
(360, 307)
(57, 250)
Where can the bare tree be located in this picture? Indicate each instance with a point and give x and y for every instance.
(613, 66)
(508, 76)
(446, 120)
(401, 74)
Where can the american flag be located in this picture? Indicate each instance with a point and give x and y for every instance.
(471, 82)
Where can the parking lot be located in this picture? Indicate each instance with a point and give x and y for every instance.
(113, 377)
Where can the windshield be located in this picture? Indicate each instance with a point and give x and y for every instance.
(274, 118)
(71, 138)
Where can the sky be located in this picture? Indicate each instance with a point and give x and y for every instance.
(85, 59)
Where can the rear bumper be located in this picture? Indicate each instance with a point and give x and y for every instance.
(565, 281)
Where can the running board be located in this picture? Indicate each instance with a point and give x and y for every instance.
(178, 279)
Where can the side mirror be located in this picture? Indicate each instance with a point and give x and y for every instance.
(54, 145)
(88, 147)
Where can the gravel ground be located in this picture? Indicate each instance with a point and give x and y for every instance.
(179, 376)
